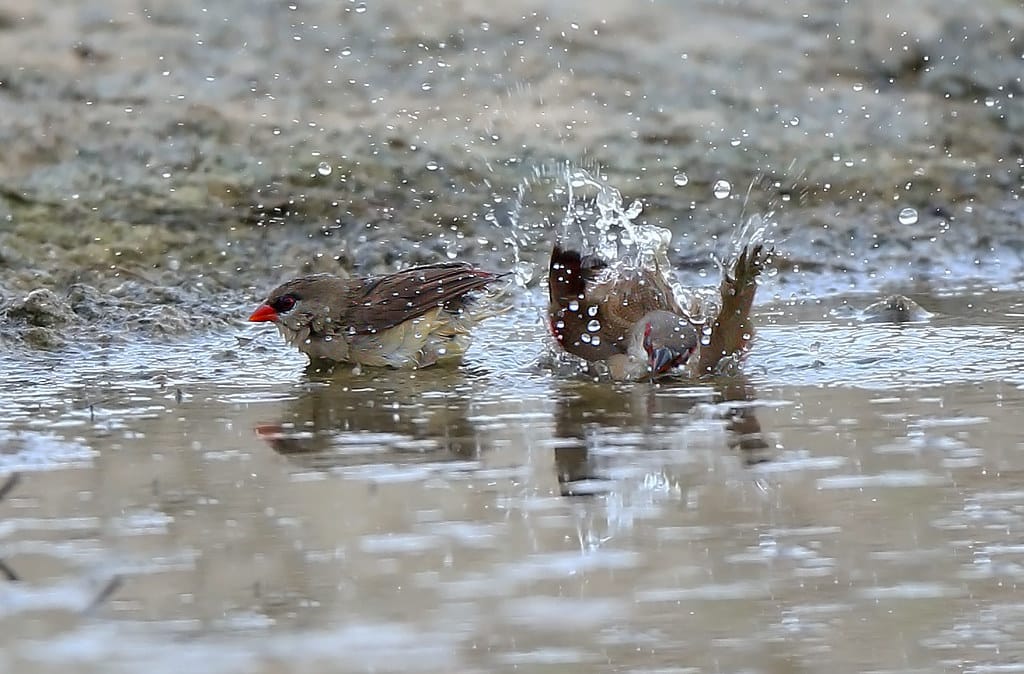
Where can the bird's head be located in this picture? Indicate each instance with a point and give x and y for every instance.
(665, 340)
(299, 302)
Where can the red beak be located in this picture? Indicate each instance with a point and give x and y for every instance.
(264, 312)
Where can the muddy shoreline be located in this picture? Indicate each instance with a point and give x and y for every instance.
(163, 169)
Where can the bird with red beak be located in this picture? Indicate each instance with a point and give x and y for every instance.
(411, 318)
(629, 318)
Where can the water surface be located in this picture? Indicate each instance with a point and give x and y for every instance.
(859, 485)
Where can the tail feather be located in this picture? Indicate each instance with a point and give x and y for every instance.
(569, 272)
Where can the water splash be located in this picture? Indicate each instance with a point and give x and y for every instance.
(573, 203)
(576, 203)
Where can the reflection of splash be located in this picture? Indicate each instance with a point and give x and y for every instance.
(589, 414)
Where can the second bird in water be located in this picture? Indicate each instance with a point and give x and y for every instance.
(628, 317)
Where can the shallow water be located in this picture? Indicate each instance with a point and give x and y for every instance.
(860, 485)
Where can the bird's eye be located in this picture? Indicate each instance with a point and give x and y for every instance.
(283, 303)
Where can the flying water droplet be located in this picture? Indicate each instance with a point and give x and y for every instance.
(592, 310)
(324, 169)
(585, 338)
(432, 166)
(681, 180)
(595, 340)
(524, 272)
(721, 189)
(574, 305)
(908, 216)
(594, 325)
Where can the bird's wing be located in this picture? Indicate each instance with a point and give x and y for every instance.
(382, 302)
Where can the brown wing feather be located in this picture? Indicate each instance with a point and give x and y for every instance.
(382, 302)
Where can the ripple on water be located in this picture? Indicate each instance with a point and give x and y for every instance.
(888, 356)
(35, 450)
(366, 646)
(895, 478)
(706, 592)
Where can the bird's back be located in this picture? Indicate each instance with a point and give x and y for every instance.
(594, 305)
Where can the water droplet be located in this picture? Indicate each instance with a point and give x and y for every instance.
(592, 310)
(594, 325)
(857, 86)
(324, 169)
(595, 340)
(560, 325)
(432, 166)
(585, 338)
(721, 189)
(574, 305)
(908, 216)
(680, 179)
(795, 121)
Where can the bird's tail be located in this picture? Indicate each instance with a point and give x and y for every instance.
(568, 274)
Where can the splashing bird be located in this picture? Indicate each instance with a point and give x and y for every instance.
(629, 318)
(412, 318)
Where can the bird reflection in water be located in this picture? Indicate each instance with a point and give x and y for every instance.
(588, 412)
(382, 416)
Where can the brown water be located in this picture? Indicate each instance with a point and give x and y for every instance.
(853, 503)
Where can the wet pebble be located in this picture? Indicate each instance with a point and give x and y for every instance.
(895, 309)
(38, 337)
(41, 308)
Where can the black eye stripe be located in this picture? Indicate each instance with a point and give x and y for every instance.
(283, 303)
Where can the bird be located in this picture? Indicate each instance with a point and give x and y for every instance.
(628, 317)
(412, 318)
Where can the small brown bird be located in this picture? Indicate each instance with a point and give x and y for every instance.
(411, 318)
(629, 318)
